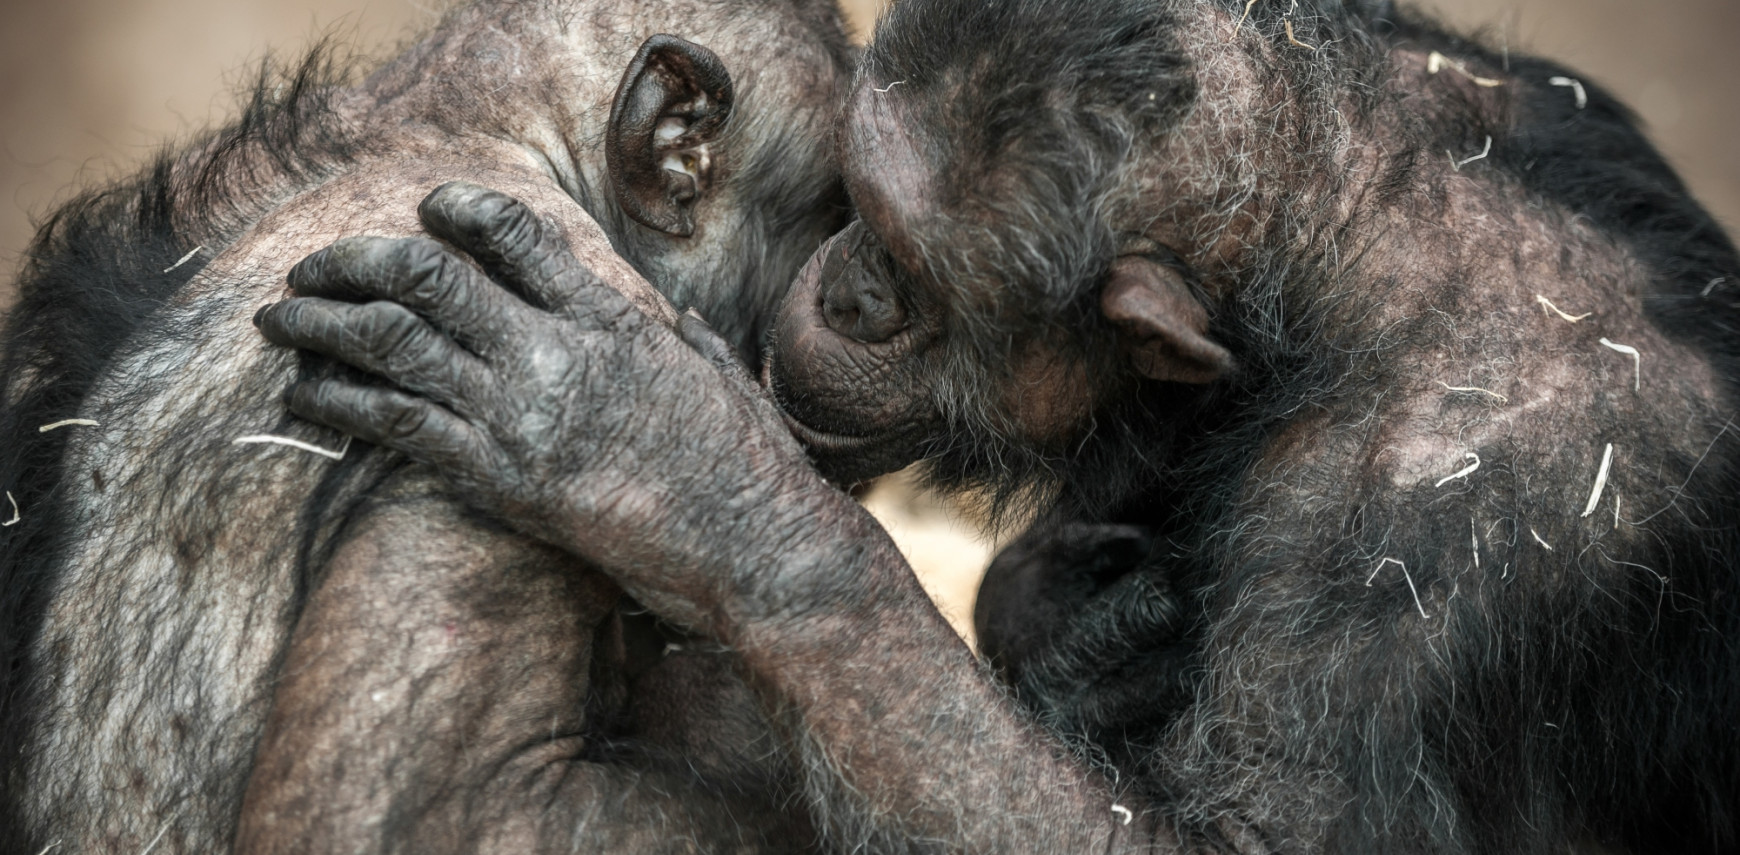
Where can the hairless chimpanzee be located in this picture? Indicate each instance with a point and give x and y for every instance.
(170, 528)
(1379, 389)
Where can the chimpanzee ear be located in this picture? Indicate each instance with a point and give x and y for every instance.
(672, 102)
(1163, 327)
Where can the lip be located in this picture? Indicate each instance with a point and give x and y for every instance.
(813, 437)
(819, 440)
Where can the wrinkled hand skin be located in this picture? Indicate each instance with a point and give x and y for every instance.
(549, 401)
(558, 406)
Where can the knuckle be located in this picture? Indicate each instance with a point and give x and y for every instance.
(318, 400)
(425, 270)
(407, 420)
(394, 330)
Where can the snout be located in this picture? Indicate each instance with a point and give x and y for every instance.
(857, 303)
(842, 364)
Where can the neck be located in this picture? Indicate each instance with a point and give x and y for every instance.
(501, 77)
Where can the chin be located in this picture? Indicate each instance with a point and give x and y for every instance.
(847, 458)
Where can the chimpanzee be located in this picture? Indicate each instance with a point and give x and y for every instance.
(168, 523)
(1380, 389)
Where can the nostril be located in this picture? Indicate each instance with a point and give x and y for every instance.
(860, 307)
(879, 316)
(841, 319)
(857, 300)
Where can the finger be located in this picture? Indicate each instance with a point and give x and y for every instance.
(418, 273)
(701, 336)
(418, 427)
(384, 339)
(517, 249)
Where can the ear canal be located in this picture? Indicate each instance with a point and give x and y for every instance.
(672, 103)
(1162, 326)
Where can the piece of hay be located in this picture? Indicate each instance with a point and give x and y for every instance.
(1474, 536)
(1437, 62)
(16, 516)
(1126, 816)
(1576, 86)
(1501, 399)
(1461, 473)
(1405, 575)
(184, 259)
(1539, 540)
(160, 832)
(66, 423)
(1458, 164)
(269, 439)
(1295, 39)
(1547, 305)
(886, 89)
(1636, 360)
(1600, 481)
(1242, 18)
(1712, 286)
(1415, 591)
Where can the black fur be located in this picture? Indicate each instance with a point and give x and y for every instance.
(1648, 756)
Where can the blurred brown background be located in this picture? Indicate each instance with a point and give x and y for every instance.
(90, 88)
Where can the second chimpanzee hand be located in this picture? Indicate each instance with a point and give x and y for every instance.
(547, 398)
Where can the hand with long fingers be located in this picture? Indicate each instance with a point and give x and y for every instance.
(548, 399)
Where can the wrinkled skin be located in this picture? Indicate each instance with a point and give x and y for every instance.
(210, 645)
(1453, 566)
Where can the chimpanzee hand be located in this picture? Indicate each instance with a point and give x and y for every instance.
(1088, 629)
(546, 397)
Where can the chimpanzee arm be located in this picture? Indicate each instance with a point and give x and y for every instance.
(435, 696)
(604, 433)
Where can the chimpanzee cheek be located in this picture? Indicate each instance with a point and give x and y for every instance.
(1050, 397)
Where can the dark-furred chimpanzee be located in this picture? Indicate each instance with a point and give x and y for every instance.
(175, 526)
(1380, 389)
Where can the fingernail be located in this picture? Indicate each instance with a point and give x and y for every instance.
(261, 313)
(298, 272)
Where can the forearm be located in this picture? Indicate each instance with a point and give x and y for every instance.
(904, 734)
(432, 700)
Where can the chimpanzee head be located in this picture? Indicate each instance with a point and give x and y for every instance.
(723, 160)
(703, 135)
(1000, 294)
